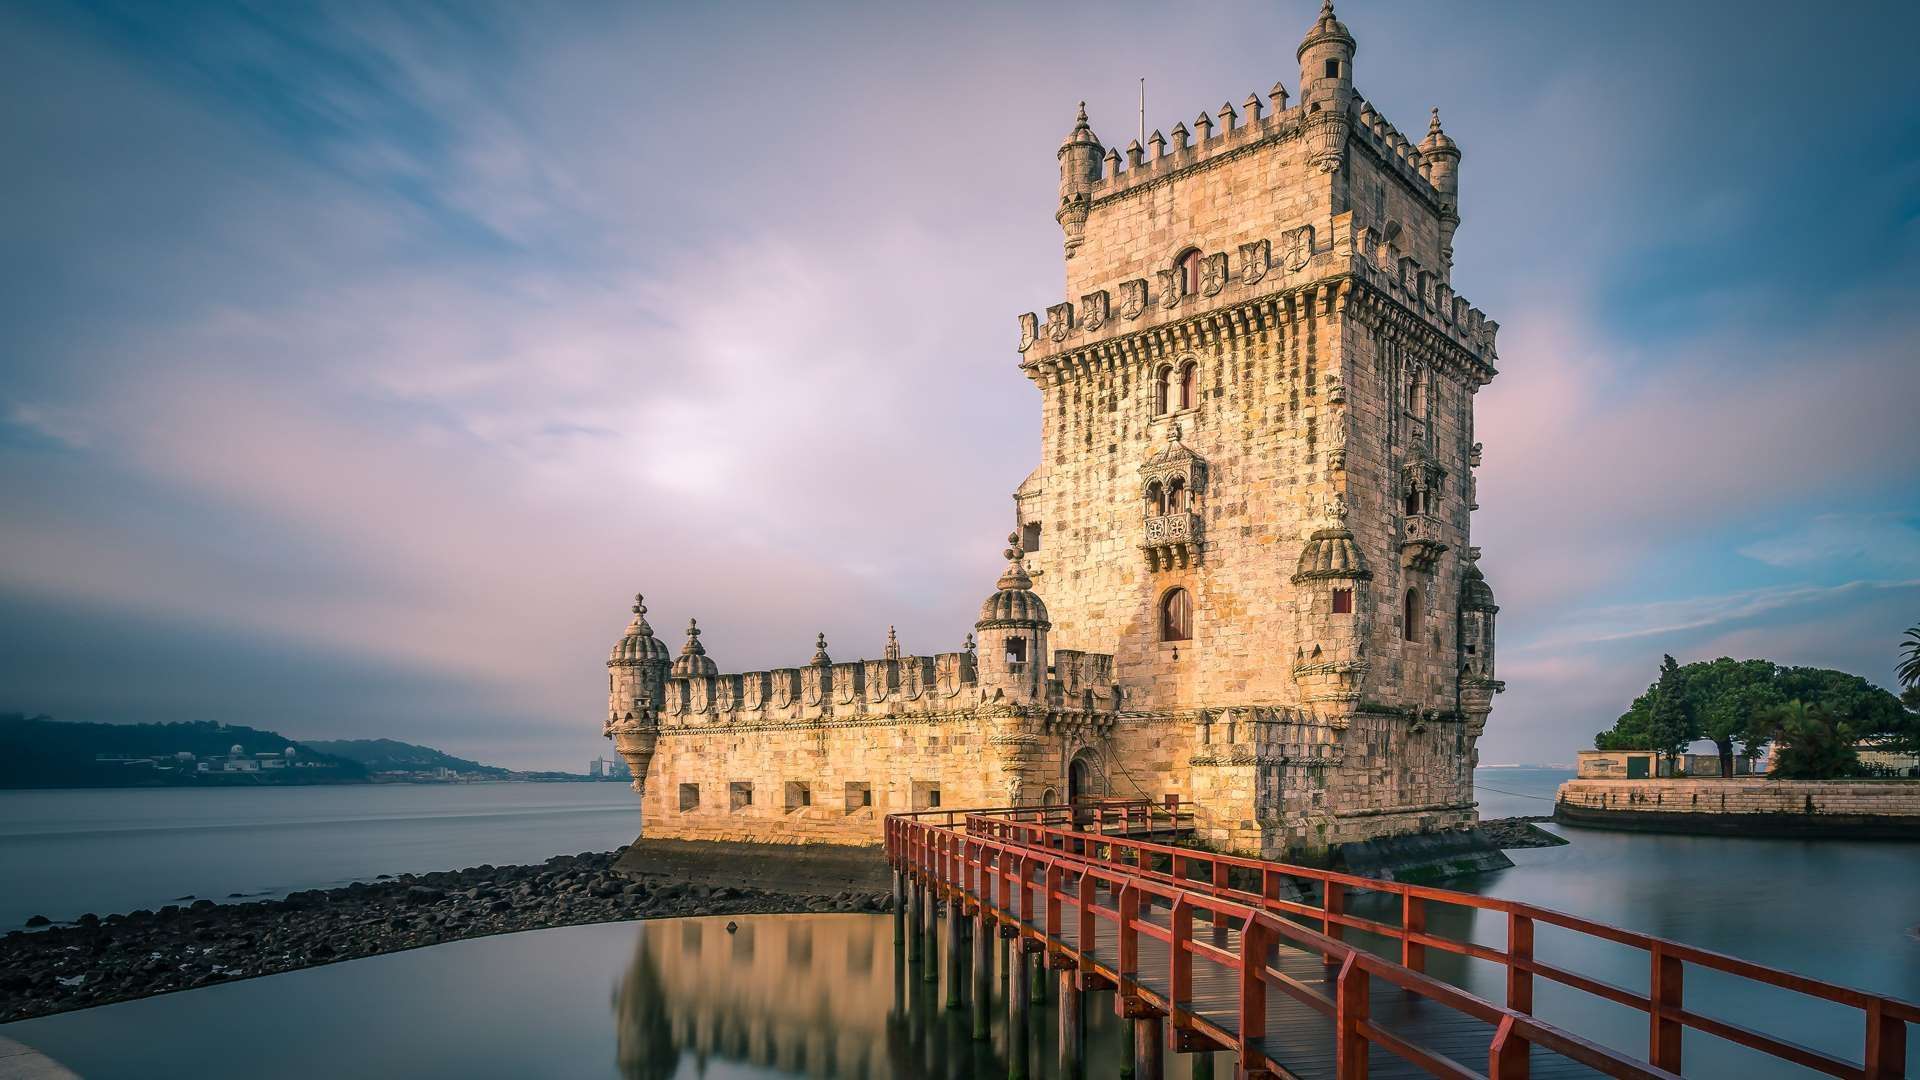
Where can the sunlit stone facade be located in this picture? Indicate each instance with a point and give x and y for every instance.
(1242, 571)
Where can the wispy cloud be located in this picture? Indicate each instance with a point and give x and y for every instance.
(1626, 622)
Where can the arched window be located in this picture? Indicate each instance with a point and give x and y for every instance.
(1188, 372)
(1176, 495)
(1160, 387)
(1189, 267)
(1410, 616)
(1413, 500)
(1156, 500)
(1176, 616)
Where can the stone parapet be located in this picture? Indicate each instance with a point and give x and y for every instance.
(1868, 808)
(1264, 283)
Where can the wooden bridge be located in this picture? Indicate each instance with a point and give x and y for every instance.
(1210, 952)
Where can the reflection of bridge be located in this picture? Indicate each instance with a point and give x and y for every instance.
(1212, 952)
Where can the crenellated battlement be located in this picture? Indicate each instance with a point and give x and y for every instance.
(890, 689)
(1263, 282)
(1249, 129)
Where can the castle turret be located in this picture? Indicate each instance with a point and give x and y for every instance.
(636, 677)
(1013, 634)
(1326, 87)
(1442, 157)
(1477, 609)
(1079, 170)
(1331, 619)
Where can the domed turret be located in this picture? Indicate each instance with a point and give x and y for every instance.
(1442, 158)
(1475, 593)
(636, 672)
(1014, 603)
(694, 663)
(1331, 616)
(638, 645)
(1013, 632)
(1326, 87)
(1079, 156)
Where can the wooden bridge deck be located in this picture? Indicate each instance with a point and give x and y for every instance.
(1298, 1037)
(1227, 950)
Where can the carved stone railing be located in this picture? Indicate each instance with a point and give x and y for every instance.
(1172, 540)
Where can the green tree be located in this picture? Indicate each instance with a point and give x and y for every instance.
(1815, 744)
(1729, 698)
(1732, 701)
(1671, 724)
(1909, 669)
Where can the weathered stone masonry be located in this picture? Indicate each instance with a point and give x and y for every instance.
(1250, 524)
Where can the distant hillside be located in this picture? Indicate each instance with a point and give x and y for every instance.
(39, 752)
(391, 755)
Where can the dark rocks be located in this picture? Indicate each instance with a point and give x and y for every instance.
(60, 968)
(1520, 832)
(39, 920)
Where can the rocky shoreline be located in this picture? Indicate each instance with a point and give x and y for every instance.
(96, 961)
(1520, 832)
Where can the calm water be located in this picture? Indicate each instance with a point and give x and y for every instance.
(67, 852)
(792, 996)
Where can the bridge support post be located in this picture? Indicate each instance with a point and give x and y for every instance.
(916, 894)
(982, 975)
(1203, 1065)
(932, 909)
(1070, 1021)
(954, 953)
(899, 908)
(1149, 1048)
(1017, 1008)
(1037, 975)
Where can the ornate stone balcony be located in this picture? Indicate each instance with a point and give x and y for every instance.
(1421, 549)
(1172, 540)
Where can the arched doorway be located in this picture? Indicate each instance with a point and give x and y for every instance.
(1083, 776)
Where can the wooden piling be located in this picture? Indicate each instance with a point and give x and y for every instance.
(899, 909)
(1149, 1048)
(1017, 1010)
(1070, 1021)
(932, 973)
(982, 975)
(954, 952)
(916, 894)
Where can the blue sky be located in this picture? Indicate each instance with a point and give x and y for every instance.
(357, 363)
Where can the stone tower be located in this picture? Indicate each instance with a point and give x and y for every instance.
(1241, 573)
(1270, 292)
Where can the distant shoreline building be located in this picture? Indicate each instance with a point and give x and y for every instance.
(1242, 570)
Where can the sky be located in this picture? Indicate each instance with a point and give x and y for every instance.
(359, 362)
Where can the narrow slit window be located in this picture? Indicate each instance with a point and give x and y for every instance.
(1343, 601)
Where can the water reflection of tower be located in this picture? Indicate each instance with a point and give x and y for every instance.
(801, 994)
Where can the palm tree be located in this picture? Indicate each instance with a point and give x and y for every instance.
(1909, 669)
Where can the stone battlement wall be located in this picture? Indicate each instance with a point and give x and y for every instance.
(911, 686)
(1284, 279)
(1757, 806)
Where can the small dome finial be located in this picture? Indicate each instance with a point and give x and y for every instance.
(639, 604)
(893, 646)
(820, 656)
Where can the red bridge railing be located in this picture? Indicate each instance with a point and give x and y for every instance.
(988, 860)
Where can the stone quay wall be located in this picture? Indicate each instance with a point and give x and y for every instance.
(1858, 808)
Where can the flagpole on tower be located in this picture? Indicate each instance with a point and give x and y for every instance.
(1143, 110)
